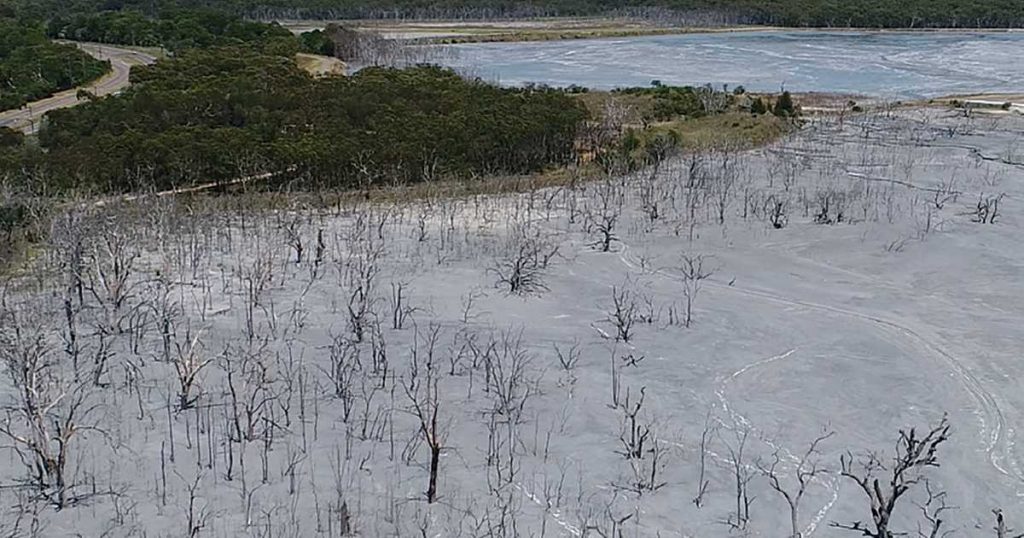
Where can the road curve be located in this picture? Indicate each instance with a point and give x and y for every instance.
(27, 118)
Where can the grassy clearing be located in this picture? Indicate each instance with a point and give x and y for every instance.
(730, 130)
(636, 107)
(736, 128)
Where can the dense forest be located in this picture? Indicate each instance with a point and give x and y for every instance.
(224, 113)
(823, 13)
(32, 67)
(175, 30)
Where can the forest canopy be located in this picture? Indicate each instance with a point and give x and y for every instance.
(219, 114)
(32, 67)
(174, 30)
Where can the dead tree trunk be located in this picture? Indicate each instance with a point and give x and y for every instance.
(913, 456)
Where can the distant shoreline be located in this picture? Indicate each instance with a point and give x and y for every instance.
(440, 31)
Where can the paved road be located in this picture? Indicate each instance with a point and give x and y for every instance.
(26, 119)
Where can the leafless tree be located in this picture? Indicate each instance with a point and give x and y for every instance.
(604, 213)
(362, 268)
(742, 474)
(640, 446)
(830, 206)
(344, 366)
(634, 433)
(196, 517)
(50, 412)
(112, 265)
(188, 364)
(725, 180)
(914, 455)
(695, 187)
(693, 272)
(945, 193)
(987, 209)
(804, 472)
(1002, 531)
(401, 310)
(932, 511)
(776, 208)
(510, 379)
(623, 314)
(702, 481)
(568, 358)
(421, 389)
(520, 271)
(293, 233)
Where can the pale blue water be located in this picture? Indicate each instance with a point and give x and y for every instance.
(893, 65)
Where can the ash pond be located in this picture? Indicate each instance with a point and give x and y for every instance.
(898, 65)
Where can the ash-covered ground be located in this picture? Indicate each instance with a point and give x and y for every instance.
(638, 355)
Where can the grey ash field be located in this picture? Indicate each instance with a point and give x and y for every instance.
(243, 372)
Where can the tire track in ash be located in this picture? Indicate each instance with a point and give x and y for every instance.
(999, 439)
(830, 483)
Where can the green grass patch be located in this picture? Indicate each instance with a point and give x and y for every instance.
(732, 130)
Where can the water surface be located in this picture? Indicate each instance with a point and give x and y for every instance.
(883, 64)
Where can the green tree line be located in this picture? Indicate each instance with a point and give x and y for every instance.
(174, 30)
(32, 67)
(223, 113)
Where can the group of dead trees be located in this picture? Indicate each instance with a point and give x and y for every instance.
(630, 308)
(885, 481)
(49, 412)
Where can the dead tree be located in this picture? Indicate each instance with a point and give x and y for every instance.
(345, 364)
(696, 177)
(702, 481)
(805, 471)
(634, 433)
(776, 209)
(113, 263)
(693, 274)
(110, 282)
(401, 311)
(604, 215)
(640, 446)
(510, 385)
(624, 314)
(914, 455)
(49, 414)
(421, 389)
(742, 474)
(987, 209)
(509, 378)
(520, 271)
(1002, 531)
(725, 181)
(568, 360)
(831, 206)
(188, 364)
(946, 192)
(293, 234)
(932, 511)
(362, 269)
(196, 517)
